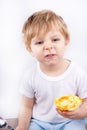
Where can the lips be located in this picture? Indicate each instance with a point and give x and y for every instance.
(50, 52)
(50, 55)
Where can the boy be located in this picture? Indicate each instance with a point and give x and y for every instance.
(46, 38)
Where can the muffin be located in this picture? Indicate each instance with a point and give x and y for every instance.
(68, 102)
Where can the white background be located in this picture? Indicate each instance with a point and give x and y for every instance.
(14, 59)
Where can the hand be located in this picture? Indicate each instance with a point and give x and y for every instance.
(74, 114)
(80, 112)
(17, 128)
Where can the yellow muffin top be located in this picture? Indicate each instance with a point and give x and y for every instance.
(68, 102)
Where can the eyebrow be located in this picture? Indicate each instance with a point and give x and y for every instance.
(56, 35)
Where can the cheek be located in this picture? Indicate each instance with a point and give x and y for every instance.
(61, 49)
(35, 53)
(32, 52)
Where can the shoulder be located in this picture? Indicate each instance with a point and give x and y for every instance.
(78, 68)
(30, 72)
(78, 71)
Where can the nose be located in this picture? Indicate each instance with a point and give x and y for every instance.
(48, 46)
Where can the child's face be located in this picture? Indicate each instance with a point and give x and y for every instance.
(49, 49)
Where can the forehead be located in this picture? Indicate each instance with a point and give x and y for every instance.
(44, 31)
(51, 33)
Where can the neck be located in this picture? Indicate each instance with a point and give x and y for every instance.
(55, 70)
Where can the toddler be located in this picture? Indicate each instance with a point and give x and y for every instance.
(46, 38)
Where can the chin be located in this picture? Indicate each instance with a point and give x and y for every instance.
(52, 63)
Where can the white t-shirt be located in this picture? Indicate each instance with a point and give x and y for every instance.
(46, 89)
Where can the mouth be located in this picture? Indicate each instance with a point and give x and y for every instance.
(50, 55)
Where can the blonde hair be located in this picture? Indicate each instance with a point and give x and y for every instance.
(41, 22)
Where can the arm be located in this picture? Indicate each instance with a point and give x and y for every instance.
(25, 113)
(78, 113)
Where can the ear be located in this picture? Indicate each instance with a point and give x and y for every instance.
(67, 42)
(30, 50)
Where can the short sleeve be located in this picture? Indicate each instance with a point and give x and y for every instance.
(26, 88)
(82, 85)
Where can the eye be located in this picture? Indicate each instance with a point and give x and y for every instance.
(39, 43)
(55, 39)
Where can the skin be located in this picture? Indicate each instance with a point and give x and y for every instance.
(78, 113)
(49, 50)
(25, 113)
